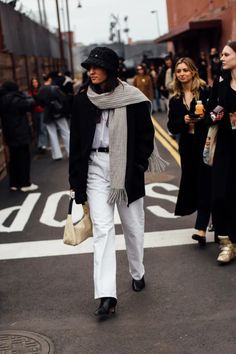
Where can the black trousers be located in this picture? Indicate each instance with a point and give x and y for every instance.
(202, 220)
(19, 166)
(224, 221)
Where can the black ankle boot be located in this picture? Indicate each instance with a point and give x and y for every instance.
(138, 285)
(107, 307)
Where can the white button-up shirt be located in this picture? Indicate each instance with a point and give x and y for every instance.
(101, 136)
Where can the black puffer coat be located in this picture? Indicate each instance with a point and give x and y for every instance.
(15, 125)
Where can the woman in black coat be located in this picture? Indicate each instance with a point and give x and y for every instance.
(224, 162)
(194, 191)
(110, 143)
(16, 130)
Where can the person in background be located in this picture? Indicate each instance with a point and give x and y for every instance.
(224, 162)
(14, 106)
(67, 87)
(143, 82)
(122, 71)
(38, 118)
(202, 65)
(164, 80)
(154, 76)
(195, 186)
(215, 64)
(111, 140)
(55, 123)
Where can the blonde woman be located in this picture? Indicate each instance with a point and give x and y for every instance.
(194, 191)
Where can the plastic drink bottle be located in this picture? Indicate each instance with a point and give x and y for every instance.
(199, 108)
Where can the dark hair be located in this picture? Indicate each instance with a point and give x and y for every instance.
(232, 45)
(10, 86)
(31, 82)
(108, 86)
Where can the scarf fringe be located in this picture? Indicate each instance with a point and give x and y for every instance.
(155, 162)
(117, 196)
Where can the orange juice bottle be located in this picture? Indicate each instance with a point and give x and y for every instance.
(199, 108)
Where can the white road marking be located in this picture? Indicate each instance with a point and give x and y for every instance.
(34, 249)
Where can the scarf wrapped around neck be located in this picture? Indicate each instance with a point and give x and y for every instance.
(116, 101)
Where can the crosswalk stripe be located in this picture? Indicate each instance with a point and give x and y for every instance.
(35, 249)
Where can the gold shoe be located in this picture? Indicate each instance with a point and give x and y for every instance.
(227, 250)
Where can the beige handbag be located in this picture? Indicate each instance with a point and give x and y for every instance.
(210, 145)
(74, 234)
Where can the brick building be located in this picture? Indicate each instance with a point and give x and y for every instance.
(199, 25)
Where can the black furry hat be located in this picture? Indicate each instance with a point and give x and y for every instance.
(102, 57)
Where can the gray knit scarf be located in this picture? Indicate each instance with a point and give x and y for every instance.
(116, 101)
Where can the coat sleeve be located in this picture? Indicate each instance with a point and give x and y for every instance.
(144, 140)
(175, 122)
(77, 171)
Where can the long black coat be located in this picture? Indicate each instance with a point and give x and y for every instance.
(194, 190)
(139, 146)
(224, 163)
(13, 109)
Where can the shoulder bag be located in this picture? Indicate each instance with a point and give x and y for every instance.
(74, 234)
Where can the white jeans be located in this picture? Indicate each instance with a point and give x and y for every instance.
(62, 126)
(102, 215)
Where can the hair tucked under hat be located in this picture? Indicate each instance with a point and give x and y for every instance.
(102, 57)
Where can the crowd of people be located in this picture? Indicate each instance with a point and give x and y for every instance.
(108, 136)
(49, 105)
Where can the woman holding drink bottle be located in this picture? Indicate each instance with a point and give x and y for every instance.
(187, 118)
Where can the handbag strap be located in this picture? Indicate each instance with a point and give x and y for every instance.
(70, 206)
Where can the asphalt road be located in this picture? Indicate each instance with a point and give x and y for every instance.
(188, 305)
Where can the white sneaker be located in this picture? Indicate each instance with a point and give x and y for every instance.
(30, 188)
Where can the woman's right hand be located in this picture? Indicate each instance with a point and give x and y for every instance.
(187, 119)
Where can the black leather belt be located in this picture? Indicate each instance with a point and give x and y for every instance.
(101, 149)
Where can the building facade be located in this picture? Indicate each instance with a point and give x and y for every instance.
(199, 25)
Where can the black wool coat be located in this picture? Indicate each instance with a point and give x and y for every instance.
(224, 163)
(194, 190)
(139, 146)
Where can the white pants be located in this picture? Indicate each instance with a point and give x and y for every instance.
(60, 125)
(102, 215)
